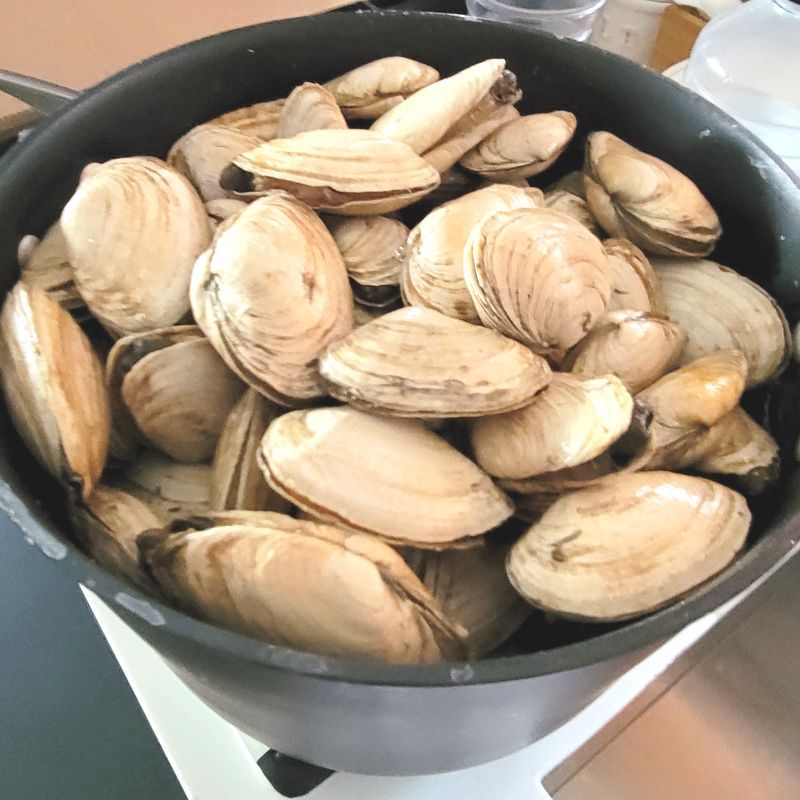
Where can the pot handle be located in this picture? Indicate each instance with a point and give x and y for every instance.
(45, 97)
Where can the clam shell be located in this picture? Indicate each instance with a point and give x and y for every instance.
(201, 154)
(433, 275)
(636, 347)
(270, 294)
(53, 386)
(634, 282)
(467, 371)
(537, 276)
(310, 107)
(522, 147)
(304, 585)
(133, 230)
(425, 117)
(642, 198)
(721, 309)
(573, 206)
(347, 172)
(106, 525)
(377, 475)
(573, 420)
(472, 589)
(259, 119)
(236, 481)
(220, 210)
(370, 90)
(629, 545)
(176, 389)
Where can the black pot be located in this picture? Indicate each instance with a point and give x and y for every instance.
(359, 716)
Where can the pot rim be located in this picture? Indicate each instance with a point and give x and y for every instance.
(776, 542)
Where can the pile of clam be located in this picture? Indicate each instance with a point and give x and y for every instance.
(274, 406)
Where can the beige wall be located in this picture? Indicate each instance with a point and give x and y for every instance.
(78, 42)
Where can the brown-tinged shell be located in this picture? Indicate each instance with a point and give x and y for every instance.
(466, 370)
(573, 206)
(259, 119)
(310, 107)
(629, 545)
(378, 475)
(53, 386)
(270, 294)
(634, 282)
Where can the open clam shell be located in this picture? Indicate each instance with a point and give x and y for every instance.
(433, 275)
(721, 309)
(378, 475)
(134, 281)
(467, 370)
(537, 276)
(573, 420)
(270, 294)
(347, 172)
(53, 385)
(629, 545)
(305, 585)
(642, 198)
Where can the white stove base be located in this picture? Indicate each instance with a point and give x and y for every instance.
(214, 761)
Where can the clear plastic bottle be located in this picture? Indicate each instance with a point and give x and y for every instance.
(747, 61)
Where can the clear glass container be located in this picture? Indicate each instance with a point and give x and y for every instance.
(747, 61)
(570, 19)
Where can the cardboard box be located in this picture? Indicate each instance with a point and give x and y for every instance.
(78, 42)
(680, 26)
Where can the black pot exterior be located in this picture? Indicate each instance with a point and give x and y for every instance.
(359, 716)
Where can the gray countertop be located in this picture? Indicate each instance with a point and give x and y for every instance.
(70, 727)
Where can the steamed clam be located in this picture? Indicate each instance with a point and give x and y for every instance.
(537, 276)
(573, 206)
(53, 386)
(634, 282)
(721, 309)
(522, 147)
(370, 90)
(310, 107)
(133, 282)
(433, 275)
(572, 421)
(259, 119)
(270, 294)
(628, 545)
(391, 477)
(347, 172)
(467, 371)
(305, 585)
(642, 198)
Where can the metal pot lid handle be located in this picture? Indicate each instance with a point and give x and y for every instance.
(47, 98)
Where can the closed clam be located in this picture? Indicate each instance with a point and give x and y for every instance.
(721, 309)
(132, 281)
(170, 489)
(347, 172)
(573, 420)
(270, 294)
(310, 107)
(201, 154)
(373, 249)
(433, 275)
(629, 545)
(176, 389)
(642, 198)
(573, 206)
(107, 524)
(424, 118)
(467, 370)
(236, 480)
(635, 346)
(537, 276)
(370, 90)
(301, 584)
(522, 147)
(391, 477)
(259, 119)
(472, 589)
(634, 282)
(53, 386)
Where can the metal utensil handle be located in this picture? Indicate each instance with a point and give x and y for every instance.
(45, 97)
